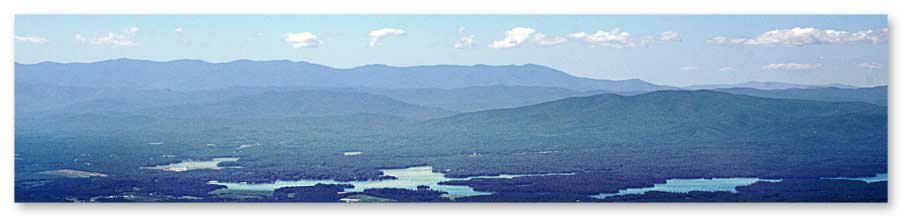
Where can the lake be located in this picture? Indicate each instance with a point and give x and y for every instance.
(718, 184)
(687, 185)
(193, 165)
(407, 178)
(880, 177)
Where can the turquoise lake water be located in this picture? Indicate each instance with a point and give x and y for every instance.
(193, 165)
(687, 185)
(407, 178)
(880, 177)
(717, 184)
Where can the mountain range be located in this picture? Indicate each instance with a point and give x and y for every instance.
(200, 75)
(252, 88)
(875, 95)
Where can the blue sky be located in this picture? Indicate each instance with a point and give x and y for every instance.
(670, 50)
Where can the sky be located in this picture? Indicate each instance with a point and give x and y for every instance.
(676, 50)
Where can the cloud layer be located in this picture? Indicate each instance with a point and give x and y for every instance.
(807, 36)
(616, 38)
(689, 68)
(32, 39)
(375, 35)
(543, 40)
(870, 65)
(791, 66)
(110, 39)
(669, 36)
(727, 69)
(302, 40)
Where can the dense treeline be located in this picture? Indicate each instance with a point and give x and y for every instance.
(127, 189)
(421, 194)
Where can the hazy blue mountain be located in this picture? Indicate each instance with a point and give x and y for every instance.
(478, 98)
(178, 75)
(467, 99)
(36, 99)
(33, 98)
(764, 86)
(874, 95)
(309, 103)
(453, 76)
(43, 99)
(195, 75)
(657, 117)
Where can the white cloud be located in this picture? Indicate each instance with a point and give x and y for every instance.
(577, 35)
(302, 40)
(613, 38)
(110, 39)
(870, 65)
(620, 39)
(792, 66)
(464, 42)
(807, 36)
(32, 39)
(513, 38)
(375, 35)
(543, 40)
(179, 29)
(727, 69)
(133, 29)
(669, 36)
(688, 68)
(725, 40)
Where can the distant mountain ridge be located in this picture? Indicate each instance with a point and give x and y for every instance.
(307, 103)
(35, 99)
(478, 98)
(874, 95)
(196, 75)
(666, 117)
(768, 85)
(241, 104)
